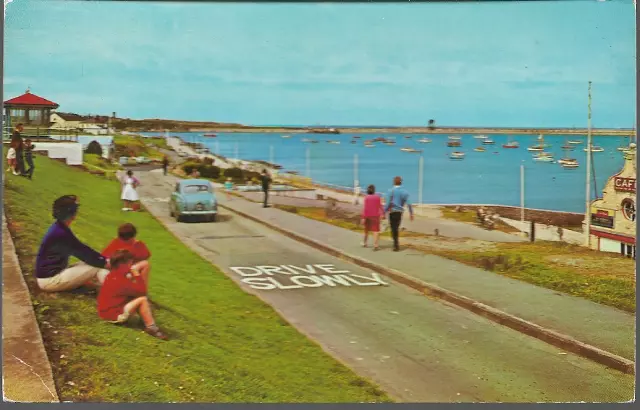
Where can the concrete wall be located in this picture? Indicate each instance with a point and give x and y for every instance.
(70, 151)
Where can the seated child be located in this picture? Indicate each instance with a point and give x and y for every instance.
(127, 240)
(124, 293)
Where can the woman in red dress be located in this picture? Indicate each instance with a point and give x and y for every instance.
(372, 211)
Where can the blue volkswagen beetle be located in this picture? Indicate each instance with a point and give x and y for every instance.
(193, 197)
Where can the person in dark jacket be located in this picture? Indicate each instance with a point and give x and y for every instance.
(16, 140)
(266, 183)
(28, 158)
(165, 164)
(59, 243)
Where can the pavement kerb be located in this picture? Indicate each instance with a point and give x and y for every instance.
(529, 328)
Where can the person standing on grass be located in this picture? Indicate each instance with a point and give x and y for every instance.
(396, 200)
(11, 158)
(372, 211)
(165, 164)
(28, 157)
(129, 193)
(16, 139)
(126, 240)
(125, 293)
(59, 243)
(266, 183)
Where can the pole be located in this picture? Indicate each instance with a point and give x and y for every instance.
(587, 216)
(355, 170)
(522, 193)
(420, 181)
(308, 162)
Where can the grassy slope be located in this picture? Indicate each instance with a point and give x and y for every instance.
(226, 346)
(138, 146)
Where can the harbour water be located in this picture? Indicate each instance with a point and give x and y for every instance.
(490, 177)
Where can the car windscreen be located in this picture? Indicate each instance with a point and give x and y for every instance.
(196, 189)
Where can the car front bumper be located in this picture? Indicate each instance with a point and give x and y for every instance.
(211, 212)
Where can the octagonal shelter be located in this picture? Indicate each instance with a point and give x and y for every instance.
(28, 109)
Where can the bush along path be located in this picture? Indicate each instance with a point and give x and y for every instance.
(225, 345)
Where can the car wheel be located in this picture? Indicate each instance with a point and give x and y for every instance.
(179, 218)
(212, 218)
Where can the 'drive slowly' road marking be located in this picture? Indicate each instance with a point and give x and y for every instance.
(286, 277)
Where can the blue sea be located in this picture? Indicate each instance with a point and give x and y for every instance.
(490, 177)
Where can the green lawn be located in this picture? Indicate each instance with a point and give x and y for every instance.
(132, 146)
(225, 345)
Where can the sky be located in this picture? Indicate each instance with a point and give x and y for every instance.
(503, 64)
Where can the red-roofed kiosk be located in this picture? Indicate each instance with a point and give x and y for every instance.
(29, 109)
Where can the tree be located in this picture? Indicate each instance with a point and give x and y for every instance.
(94, 148)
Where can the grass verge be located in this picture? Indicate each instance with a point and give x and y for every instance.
(135, 146)
(470, 218)
(601, 277)
(226, 345)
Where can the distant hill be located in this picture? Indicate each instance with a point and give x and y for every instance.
(156, 124)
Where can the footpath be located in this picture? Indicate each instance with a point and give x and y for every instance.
(26, 371)
(595, 331)
(421, 224)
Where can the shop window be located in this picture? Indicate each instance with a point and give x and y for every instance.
(629, 209)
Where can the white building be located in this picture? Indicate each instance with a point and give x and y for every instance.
(613, 217)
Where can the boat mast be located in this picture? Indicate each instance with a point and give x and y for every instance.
(587, 215)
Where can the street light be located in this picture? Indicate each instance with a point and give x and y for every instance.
(587, 215)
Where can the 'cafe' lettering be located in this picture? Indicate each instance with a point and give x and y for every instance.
(625, 184)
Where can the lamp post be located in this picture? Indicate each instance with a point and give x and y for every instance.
(420, 181)
(587, 216)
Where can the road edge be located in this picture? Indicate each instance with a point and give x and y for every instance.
(10, 261)
(551, 337)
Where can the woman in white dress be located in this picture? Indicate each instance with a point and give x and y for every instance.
(129, 193)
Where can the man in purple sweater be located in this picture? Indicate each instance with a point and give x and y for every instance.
(58, 245)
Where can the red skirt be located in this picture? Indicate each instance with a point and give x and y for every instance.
(372, 224)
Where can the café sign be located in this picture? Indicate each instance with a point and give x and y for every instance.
(624, 184)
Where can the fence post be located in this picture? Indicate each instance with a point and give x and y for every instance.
(532, 236)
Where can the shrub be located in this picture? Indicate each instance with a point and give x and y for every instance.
(208, 161)
(236, 174)
(209, 171)
(94, 147)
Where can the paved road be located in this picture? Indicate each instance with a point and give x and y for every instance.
(417, 349)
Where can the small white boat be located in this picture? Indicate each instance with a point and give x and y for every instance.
(543, 154)
(575, 142)
(480, 137)
(424, 140)
(480, 149)
(369, 145)
(488, 142)
(570, 165)
(286, 136)
(333, 142)
(410, 150)
(456, 155)
(544, 159)
(594, 148)
(563, 161)
(453, 137)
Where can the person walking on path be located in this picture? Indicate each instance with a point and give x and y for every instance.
(396, 200)
(228, 187)
(129, 193)
(28, 157)
(59, 243)
(266, 183)
(372, 211)
(165, 164)
(16, 139)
